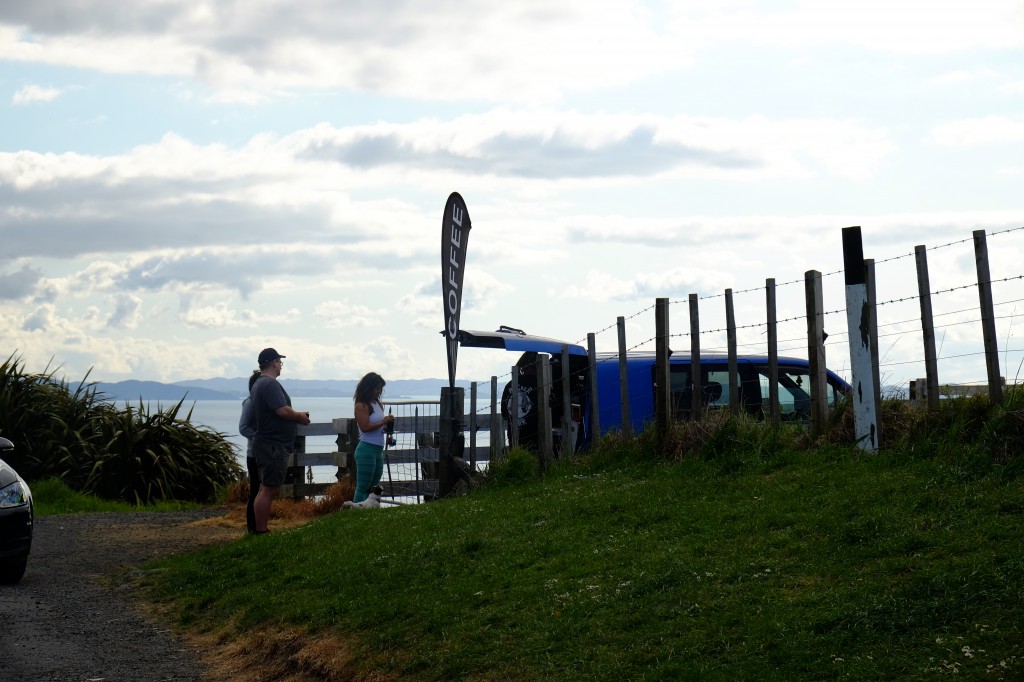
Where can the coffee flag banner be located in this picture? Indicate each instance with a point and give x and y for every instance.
(454, 241)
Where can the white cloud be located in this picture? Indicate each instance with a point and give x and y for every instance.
(975, 132)
(676, 282)
(219, 315)
(920, 27)
(961, 76)
(342, 314)
(126, 312)
(34, 93)
(531, 50)
(568, 46)
(1014, 88)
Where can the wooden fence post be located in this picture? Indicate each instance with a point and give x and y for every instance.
(627, 419)
(662, 383)
(472, 425)
(730, 335)
(543, 396)
(773, 353)
(858, 321)
(988, 319)
(568, 445)
(450, 426)
(931, 359)
(594, 406)
(497, 439)
(816, 351)
(696, 380)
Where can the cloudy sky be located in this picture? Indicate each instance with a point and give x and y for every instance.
(183, 183)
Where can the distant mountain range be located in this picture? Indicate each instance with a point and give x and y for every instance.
(235, 389)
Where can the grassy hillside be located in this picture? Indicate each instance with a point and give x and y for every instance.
(749, 555)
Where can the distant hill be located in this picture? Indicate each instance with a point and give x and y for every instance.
(152, 390)
(235, 389)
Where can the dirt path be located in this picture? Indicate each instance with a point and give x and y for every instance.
(65, 621)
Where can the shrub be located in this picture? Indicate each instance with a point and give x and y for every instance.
(518, 466)
(135, 455)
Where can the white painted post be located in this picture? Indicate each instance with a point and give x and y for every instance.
(858, 320)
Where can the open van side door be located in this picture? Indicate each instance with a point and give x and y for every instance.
(516, 340)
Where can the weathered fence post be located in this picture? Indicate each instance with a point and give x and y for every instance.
(497, 440)
(662, 382)
(594, 406)
(568, 445)
(696, 380)
(931, 359)
(730, 335)
(543, 396)
(472, 424)
(858, 321)
(988, 319)
(295, 472)
(451, 437)
(627, 419)
(816, 351)
(773, 353)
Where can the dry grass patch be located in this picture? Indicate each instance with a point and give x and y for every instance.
(283, 655)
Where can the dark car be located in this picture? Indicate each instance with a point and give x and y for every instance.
(16, 517)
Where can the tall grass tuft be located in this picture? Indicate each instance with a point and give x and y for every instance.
(133, 454)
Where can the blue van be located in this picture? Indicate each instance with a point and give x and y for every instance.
(752, 370)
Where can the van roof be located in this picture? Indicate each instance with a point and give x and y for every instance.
(704, 357)
(510, 339)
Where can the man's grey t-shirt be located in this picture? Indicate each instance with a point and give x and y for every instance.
(268, 395)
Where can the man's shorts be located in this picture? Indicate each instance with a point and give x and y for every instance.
(272, 460)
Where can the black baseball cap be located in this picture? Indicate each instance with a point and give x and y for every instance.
(268, 355)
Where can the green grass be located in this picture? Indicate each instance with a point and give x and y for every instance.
(52, 496)
(759, 563)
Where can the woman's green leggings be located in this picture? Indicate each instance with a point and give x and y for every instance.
(369, 468)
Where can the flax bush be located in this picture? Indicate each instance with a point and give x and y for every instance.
(131, 454)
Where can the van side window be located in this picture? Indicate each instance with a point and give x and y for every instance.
(715, 389)
(794, 392)
(717, 394)
(681, 400)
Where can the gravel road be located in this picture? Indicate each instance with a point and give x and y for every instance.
(66, 620)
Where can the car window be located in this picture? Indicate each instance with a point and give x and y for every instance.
(680, 380)
(718, 385)
(715, 387)
(794, 391)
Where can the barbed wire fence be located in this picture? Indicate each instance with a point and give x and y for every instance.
(957, 319)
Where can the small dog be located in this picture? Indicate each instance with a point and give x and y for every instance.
(372, 500)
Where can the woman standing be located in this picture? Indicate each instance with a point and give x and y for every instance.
(372, 421)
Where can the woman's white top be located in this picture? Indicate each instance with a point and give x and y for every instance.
(376, 436)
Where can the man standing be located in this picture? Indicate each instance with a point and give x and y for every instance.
(276, 428)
